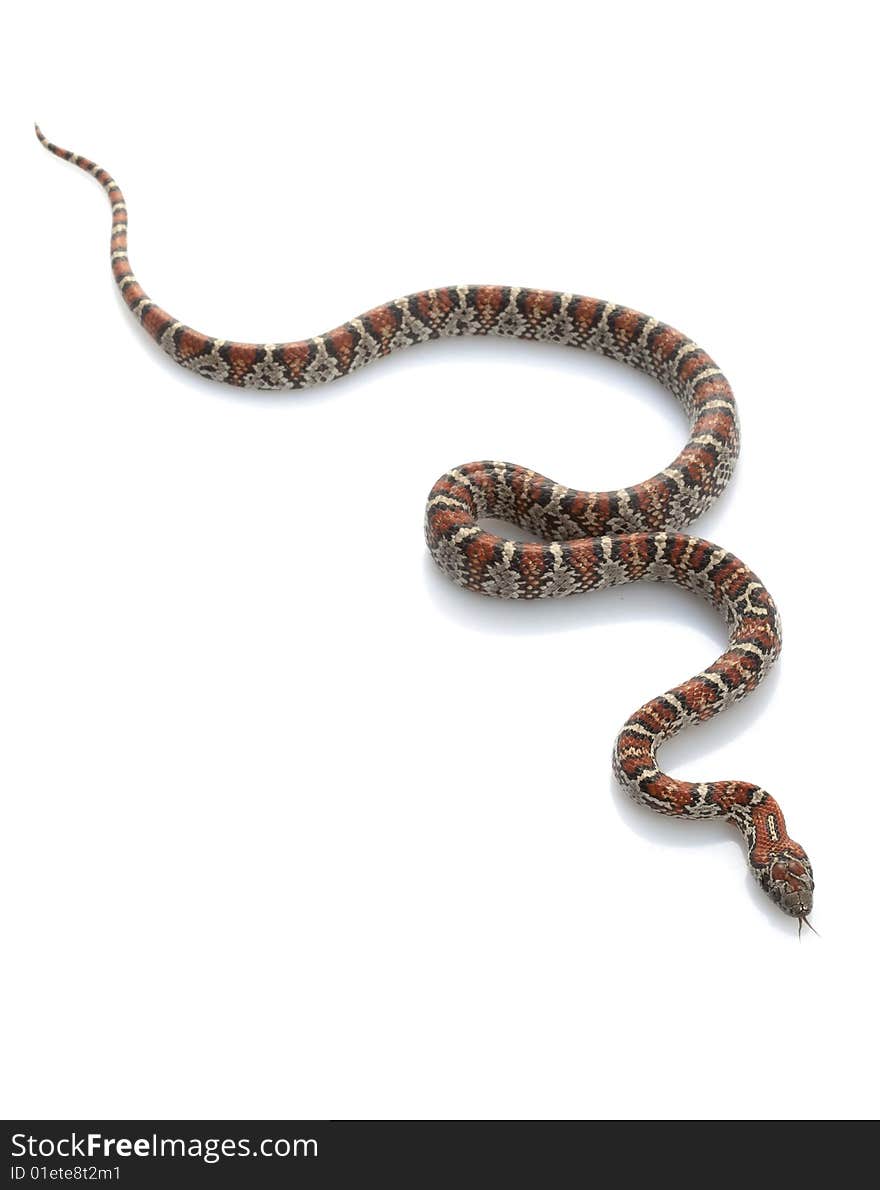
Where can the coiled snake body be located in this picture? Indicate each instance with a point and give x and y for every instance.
(590, 539)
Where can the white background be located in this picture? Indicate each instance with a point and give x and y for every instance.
(293, 827)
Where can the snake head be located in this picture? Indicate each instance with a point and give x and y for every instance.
(787, 878)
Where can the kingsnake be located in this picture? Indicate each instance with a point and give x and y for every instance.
(590, 540)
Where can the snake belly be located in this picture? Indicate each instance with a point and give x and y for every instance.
(590, 540)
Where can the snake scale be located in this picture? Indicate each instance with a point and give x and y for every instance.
(589, 540)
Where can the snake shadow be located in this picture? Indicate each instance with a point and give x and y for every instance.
(638, 602)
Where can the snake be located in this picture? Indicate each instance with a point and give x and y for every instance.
(582, 540)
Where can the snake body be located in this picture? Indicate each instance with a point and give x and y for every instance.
(590, 540)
